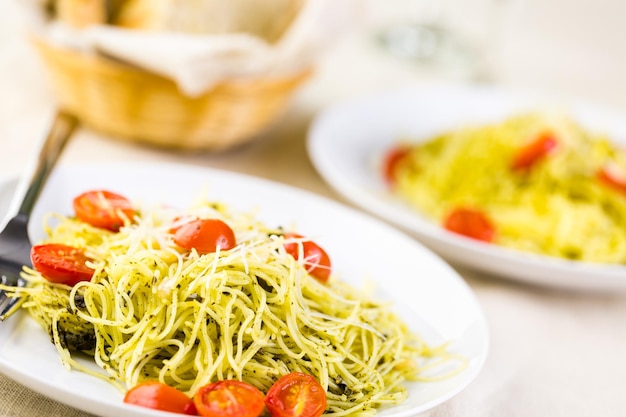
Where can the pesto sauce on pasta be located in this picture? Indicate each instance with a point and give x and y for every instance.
(558, 207)
(155, 312)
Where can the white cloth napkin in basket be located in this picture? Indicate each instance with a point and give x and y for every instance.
(198, 62)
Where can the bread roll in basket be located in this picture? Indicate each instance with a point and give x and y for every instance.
(133, 104)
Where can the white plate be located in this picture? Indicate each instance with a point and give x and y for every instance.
(426, 291)
(346, 143)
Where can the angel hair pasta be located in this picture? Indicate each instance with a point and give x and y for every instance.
(156, 311)
(535, 182)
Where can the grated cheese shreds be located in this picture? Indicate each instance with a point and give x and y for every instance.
(558, 207)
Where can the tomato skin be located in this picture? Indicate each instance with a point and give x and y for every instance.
(611, 180)
(316, 260)
(61, 264)
(158, 396)
(531, 153)
(471, 223)
(229, 398)
(205, 235)
(391, 160)
(180, 221)
(296, 395)
(103, 209)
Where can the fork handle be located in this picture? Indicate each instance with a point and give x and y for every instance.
(62, 128)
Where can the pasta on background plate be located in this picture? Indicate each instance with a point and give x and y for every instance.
(536, 182)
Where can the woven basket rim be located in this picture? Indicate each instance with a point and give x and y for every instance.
(112, 66)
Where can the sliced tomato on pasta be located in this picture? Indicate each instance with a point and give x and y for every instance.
(471, 223)
(229, 398)
(103, 209)
(205, 235)
(315, 259)
(61, 263)
(159, 396)
(296, 395)
(534, 151)
(392, 160)
(612, 178)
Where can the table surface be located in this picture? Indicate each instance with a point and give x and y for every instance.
(552, 353)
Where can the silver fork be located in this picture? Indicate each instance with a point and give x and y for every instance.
(14, 242)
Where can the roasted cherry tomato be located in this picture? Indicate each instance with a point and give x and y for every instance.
(158, 396)
(471, 223)
(316, 260)
(530, 154)
(103, 209)
(60, 263)
(296, 395)
(229, 398)
(392, 159)
(615, 181)
(205, 235)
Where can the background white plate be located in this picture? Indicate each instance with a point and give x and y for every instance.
(426, 291)
(347, 141)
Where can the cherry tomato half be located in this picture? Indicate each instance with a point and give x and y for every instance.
(612, 180)
(229, 398)
(103, 209)
(296, 395)
(158, 396)
(392, 159)
(530, 154)
(205, 235)
(471, 223)
(316, 260)
(60, 263)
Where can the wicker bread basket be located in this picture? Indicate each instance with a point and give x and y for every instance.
(132, 104)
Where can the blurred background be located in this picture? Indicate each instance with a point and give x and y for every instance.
(558, 46)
